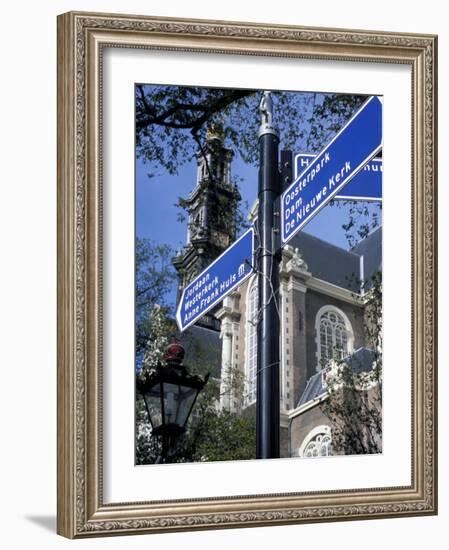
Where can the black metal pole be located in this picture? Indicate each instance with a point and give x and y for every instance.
(267, 419)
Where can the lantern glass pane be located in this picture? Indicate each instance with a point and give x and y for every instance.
(153, 402)
(178, 401)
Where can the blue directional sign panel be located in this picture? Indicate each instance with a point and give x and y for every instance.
(366, 185)
(343, 158)
(220, 278)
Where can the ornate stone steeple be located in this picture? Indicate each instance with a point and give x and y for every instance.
(212, 210)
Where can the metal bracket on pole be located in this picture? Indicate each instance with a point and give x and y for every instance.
(286, 178)
(286, 168)
(277, 249)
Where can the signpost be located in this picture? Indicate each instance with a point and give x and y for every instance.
(343, 158)
(366, 185)
(348, 160)
(221, 277)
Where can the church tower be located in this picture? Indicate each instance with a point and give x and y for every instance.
(212, 214)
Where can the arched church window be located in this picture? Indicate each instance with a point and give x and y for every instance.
(320, 445)
(251, 342)
(334, 335)
(317, 443)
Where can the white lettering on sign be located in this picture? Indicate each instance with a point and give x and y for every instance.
(307, 179)
(300, 209)
(220, 278)
(201, 290)
(339, 175)
(205, 294)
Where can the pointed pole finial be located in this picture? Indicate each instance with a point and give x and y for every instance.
(266, 115)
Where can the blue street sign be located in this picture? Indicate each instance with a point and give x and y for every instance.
(346, 154)
(221, 277)
(366, 185)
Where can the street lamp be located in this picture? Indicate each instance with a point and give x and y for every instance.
(170, 392)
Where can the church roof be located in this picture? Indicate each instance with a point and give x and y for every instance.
(360, 361)
(326, 261)
(313, 390)
(371, 250)
(336, 265)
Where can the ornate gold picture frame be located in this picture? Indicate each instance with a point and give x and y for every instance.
(82, 40)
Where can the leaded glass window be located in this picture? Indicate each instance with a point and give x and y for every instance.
(320, 445)
(333, 337)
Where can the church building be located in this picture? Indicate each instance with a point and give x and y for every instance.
(321, 306)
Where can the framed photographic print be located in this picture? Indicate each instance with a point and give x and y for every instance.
(246, 276)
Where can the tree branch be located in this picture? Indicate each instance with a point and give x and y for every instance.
(149, 115)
